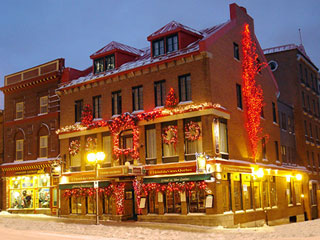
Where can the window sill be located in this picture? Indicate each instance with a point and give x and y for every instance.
(138, 111)
(239, 211)
(17, 119)
(40, 114)
(240, 109)
(238, 60)
(185, 102)
(96, 119)
(21, 160)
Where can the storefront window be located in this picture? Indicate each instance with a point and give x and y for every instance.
(196, 201)
(44, 198)
(297, 190)
(107, 204)
(289, 193)
(238, 202)
(31, 191)
(173, 202)
(247, 191)
(265, 192)
(76, 205)
(153, 205)
(257, 194)
(273, 191)
(90, 205)
(226, 189)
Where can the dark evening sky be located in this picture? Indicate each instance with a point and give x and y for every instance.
(37, 31)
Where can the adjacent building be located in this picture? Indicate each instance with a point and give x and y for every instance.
(1, 151)
(171, 120)
(297, 78)
(31, 144)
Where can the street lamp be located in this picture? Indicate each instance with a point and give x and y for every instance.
(95, 158)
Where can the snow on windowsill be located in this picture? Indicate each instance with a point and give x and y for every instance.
(185, 102)
(41, 114)
(137, 111)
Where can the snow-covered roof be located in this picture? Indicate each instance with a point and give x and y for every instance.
(116, 45)
(144, 59)
(286, 48)
(171, 26)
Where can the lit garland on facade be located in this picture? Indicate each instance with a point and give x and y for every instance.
(253, 94)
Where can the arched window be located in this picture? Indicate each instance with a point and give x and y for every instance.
(43, 141)
(19, 145)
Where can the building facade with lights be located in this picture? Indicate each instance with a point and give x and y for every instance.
(297, 78)
(184, 139)
(31, 145)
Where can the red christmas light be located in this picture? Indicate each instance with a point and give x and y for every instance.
(171, 100)
(86, 116)
(253, 94)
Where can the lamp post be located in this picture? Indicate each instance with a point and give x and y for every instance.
(95, 158)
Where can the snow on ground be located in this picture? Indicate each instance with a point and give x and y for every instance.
(35, 227)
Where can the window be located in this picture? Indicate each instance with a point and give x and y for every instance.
(169, 152)
(44, 104)
(239, 96)
(262, 112)
(110, 62)
(312, 83)
(96, 107)
(76, 205)
(173, 201)
(153, 204)
(116, 103)
(159, 93)
(283, 121)
(196, 200)
(308, 101)
(98, 65)
(317, 134)
(284, 154)
(301, 73)
(151, 147)
(158, 47)
(303, 99)
(247, 191)
(226, 189)
(43, 152)
(264, 148)
(308, 159)
(306, 73)
(185, 88)
(19, 149)
(223, 136)
(311, 135)
(78, 106)
(172, 43)
(236, 51)
(90, 204)
(276, 145)
(193, 146)
(107, 204)
(137, 98)
(314, 106)
(305, 128)
(107, 149)
(19, 110)
(289, 191)
(104, 64)
(125, 142)
(237, 192)
(257, 193)
(313, 161)
(274, 113)
(75, 159)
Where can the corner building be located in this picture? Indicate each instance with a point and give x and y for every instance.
(31, 150)
(153, 170)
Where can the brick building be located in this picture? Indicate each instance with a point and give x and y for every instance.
(31, 145)
(297, 78)
(1, 151)
(152, 166)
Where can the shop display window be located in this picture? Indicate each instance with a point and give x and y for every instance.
(107, 203)
(265, 193)
(90, 204)
(238, 202)
(27, 182)
(273, 191)
(196, 201)
(173, 202)
(257, 194)
(226, 189)
(76, 205)
(297, 190)
(153, 205)
(247, 194)
(44, 197)
(44, 180)
(21, 199)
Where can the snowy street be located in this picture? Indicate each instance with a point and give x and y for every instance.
(15, 227)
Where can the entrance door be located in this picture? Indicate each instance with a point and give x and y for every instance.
(130, 205)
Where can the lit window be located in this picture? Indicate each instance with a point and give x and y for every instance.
(151, 147)
(110, 62)
(19, 110)
(19, 150)
(99, 65)
(44, 104)
(43, 153)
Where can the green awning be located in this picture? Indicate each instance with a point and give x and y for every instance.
(187, 178)
(82, 185)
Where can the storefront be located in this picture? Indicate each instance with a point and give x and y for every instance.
(30, 188)
(115, 193)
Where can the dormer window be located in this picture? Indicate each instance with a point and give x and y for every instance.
(158, 47)
(172, 43)
(104, 64)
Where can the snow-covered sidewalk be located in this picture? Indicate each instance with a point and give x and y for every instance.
(46, 228)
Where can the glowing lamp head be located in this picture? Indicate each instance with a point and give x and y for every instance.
(100, 156)
(260, 173)
(288, 178)
(91, 157)
(299, 177)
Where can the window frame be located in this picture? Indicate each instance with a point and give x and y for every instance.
(239, 96)
(46, 105)
(18, 110)
(158, 52)
(185, 85)
(112, 62)
(175, 46)
(46, 147)
(19, 150)
(78, 108)
(96, 110)
(137, 98)
(236, 53)
(162, 93)
(116, 102)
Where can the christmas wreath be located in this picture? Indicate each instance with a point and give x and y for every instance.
(74, 147)
(91, 144)
(192, 131)
(170, 135)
